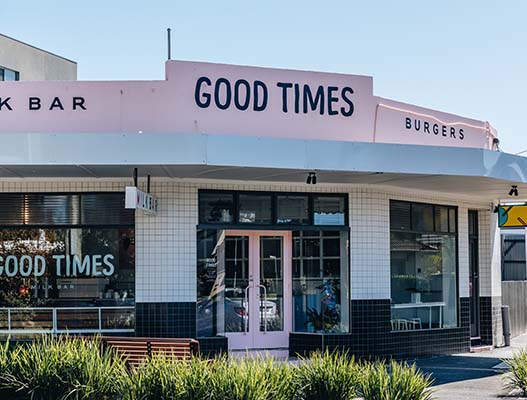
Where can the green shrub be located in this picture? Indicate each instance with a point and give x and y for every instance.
(165, 378)
(394, 382)
(69, 368)
(217, 379)
(517, 379)
(63, 368)
(328, 376)
(257, 378)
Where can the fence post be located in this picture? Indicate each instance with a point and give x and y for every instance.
(54, 316)
(506, 318)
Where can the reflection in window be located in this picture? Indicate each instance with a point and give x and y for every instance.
(215, 207)
(320, 281)
(254, 209)
(423, 269)
(293, 209)
(222, 277)
(514, 267)
(211, 282)
(329, 210)
(9, 75)
(70, 268)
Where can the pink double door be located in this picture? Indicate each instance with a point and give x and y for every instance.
(257, 304)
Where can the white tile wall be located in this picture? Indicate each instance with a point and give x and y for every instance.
(463, 256)
(166, 243)
(166, 246)
(489, 254)
(370, 238)
(370, 244)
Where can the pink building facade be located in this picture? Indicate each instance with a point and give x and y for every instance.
(285, 210)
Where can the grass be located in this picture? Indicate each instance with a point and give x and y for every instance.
(70, 368)
(394, 381)
(328, 376)
(61, 369)
(517, 365)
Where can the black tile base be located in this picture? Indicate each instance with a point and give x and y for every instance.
(491, 329)
(371, 335)
(166, 319)
(213, 346)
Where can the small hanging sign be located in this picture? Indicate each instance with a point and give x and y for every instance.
(139, 200)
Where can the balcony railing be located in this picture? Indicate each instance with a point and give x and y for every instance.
(36, 320)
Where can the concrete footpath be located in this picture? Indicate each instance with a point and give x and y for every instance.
(472, 375)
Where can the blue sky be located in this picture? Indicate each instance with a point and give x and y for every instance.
(465, 57)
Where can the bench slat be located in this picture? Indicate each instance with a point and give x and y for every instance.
(138, 349)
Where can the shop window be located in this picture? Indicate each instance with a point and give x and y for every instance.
(211, 281)
(67, 272)
(320, 281)
(55, 209)
(442, 215)
(254, 209)
(57, 278)
(423, 268)
(104, 209)
(329, 210)
(400, 216)
(422, 217)
(452, 221)
(514, 266)
(293, 210)
(216, 207)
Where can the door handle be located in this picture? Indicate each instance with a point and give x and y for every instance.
(246, 304)
(265, 307)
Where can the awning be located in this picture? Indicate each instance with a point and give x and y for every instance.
(476, 173)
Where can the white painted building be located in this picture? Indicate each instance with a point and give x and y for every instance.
(394, 251)
(22, 61)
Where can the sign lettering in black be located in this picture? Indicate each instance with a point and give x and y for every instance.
(244, 95)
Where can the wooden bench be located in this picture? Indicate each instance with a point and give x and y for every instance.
(137, 349)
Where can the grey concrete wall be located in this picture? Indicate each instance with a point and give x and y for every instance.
(514, 294)
(35, 64)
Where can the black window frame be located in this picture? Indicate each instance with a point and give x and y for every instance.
(129, 224)
(504, 261)
(455, 233)
(2, 74)
(235, 224)
(434, 218)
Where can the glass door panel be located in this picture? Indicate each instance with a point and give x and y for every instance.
(236, 301)
(271, 284)
(257, 301)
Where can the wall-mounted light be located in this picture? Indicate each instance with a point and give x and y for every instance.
(311, 178)
(513, 191)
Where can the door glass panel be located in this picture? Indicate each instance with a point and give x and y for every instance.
(236, 307)
(271, 284)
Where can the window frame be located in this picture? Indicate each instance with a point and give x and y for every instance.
(130, 224)
(522, 232)
(274, 225)
(455, 234)
(2, 74)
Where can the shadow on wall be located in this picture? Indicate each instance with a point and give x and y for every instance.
(514, 294)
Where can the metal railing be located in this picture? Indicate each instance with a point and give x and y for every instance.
(38, 320)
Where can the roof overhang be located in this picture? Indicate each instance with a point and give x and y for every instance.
(479, 174)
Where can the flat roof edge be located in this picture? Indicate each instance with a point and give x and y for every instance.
(38, 48)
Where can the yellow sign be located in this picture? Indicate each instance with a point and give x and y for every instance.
(513, 216)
